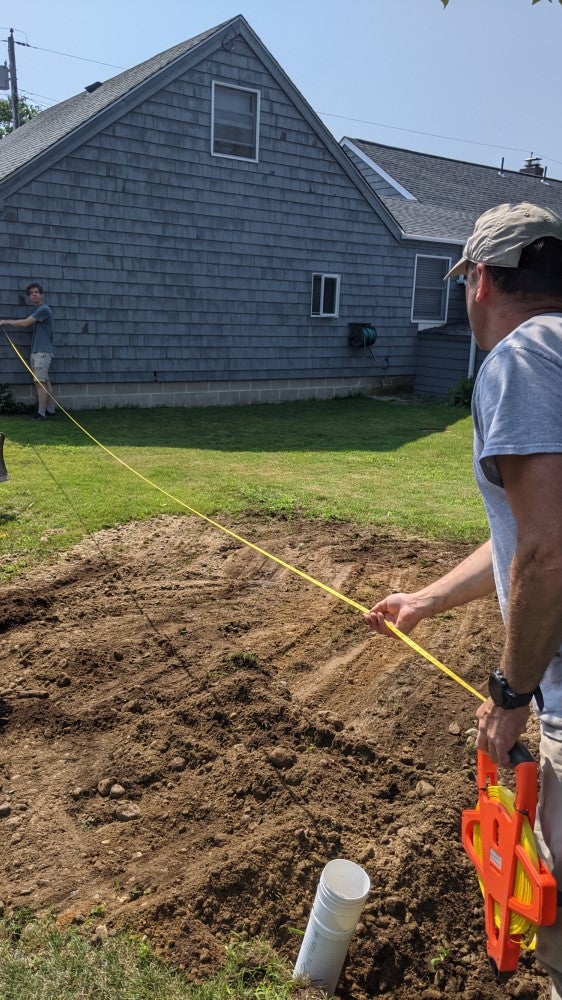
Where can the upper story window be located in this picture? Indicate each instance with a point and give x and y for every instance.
(431, 293)
(235, 122)
(325, 295)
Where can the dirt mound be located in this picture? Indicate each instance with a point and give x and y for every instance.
(190, 732)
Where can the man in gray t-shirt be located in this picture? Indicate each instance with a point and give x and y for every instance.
(513, 268)
(42, 350)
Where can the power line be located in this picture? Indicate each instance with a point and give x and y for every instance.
(431, 135)
(42, 97)
(69, 55)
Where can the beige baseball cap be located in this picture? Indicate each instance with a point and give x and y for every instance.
(501, 233)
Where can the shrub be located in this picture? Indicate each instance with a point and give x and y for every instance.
(8, 403)
(460, 394)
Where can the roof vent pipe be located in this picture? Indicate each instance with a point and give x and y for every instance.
(500, 171)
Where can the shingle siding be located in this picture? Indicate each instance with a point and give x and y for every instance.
(170, 267)
(442, 359)
(197, 267)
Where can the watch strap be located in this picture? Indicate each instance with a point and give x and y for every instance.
(504, 697)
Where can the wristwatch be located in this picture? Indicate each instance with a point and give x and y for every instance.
(503, 696)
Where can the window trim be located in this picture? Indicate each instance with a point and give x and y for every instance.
(323, 275)
(233, 156)
(445, 291)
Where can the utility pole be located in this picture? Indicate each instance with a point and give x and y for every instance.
(13, 80)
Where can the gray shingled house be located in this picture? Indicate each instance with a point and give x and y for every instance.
(201, 237)
(435, 202)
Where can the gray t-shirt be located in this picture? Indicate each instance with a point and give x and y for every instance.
(517, 410)
(42, 339)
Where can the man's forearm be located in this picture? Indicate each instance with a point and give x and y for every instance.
(471, 579)
(18, 322)
(533, 484)
(534, 627)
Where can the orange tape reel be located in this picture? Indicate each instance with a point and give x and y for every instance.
(519, 891)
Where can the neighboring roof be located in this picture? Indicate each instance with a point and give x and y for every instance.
(435, 198)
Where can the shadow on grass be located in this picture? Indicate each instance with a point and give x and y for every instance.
(350, 424)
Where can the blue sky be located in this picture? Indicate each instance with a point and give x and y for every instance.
(478, 81)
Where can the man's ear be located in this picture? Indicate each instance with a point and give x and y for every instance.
(483, 283)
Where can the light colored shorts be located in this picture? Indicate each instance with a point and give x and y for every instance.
(40, 364)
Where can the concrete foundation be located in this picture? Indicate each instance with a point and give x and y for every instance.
(105, 395)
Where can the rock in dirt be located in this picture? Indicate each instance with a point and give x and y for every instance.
(424, 789)
(178, 764)
(281, 758)
(127, 811)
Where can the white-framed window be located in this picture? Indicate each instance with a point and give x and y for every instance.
(431, 294)
(235, 116)
(325, 299)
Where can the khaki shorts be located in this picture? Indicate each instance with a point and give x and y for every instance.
(40, 364)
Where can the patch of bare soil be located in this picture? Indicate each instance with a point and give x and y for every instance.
(190, 732)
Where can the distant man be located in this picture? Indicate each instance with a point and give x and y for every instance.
(42, 350)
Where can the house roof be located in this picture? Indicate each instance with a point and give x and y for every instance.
(24, 144)
(47, 137)
(431, 197)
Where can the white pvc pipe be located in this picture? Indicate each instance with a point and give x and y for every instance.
(340, 896)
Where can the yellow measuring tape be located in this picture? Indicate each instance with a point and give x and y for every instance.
(268, 555)
(522, 887)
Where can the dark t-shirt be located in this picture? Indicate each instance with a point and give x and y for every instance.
(42, 339)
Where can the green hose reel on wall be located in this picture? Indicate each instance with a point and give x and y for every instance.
(361, 335)
(364, 335)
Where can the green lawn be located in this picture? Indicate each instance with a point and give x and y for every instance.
(406, 467)
(39, 962)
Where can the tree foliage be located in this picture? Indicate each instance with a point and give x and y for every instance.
(26, 108)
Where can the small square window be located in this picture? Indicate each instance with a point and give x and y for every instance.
(325, 295)
(235, 118)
